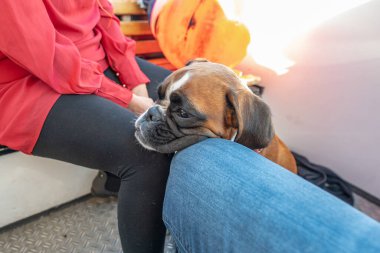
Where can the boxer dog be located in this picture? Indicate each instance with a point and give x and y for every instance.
(208, 100)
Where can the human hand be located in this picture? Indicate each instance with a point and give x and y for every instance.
(140, 104)
(140, 90)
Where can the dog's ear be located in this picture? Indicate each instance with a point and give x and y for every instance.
(161, 91)
(162, 87)
(251, 116)
(195, 61)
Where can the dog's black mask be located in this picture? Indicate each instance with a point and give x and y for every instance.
(161, 133)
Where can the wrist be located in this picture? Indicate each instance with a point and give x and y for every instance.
(140, 90)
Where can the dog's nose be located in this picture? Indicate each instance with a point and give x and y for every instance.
(153, 114)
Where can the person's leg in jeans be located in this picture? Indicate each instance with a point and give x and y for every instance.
(223, 197)
(93, 132)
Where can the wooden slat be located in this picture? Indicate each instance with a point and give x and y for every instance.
(125, 7)
(135, 28)
(147, 47)
(138, 29)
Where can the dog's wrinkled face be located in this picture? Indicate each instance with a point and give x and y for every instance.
(204, 100)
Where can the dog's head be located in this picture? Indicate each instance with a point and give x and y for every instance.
(203, 100)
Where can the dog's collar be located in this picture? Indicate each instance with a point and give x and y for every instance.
(233, 138)
(259, 150)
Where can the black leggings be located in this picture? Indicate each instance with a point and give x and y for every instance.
(90, 131)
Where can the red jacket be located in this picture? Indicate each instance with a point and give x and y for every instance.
(54, 47)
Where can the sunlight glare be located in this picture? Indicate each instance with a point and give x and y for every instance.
(275, 24)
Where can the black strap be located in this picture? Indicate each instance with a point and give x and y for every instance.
(324, 178)
(5, 150)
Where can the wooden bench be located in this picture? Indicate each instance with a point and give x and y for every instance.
(134, 24)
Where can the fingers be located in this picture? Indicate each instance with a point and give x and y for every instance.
(140, 104)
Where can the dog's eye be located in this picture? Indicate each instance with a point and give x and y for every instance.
(182, 113)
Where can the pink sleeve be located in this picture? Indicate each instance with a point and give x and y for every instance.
(29, 39)
(120, 50)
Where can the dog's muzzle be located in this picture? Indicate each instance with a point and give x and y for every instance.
(156, 131)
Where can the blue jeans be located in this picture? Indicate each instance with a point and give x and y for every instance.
(223, 197)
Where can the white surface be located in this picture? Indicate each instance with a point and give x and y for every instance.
(29, 185)
(327, 107)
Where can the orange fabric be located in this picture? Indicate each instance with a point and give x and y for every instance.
(54, 47)
(186, 30)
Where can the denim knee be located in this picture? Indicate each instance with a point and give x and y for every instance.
(194, 187)
(222, 197)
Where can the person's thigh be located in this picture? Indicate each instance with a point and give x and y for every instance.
(223, 197)
(93, 132)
